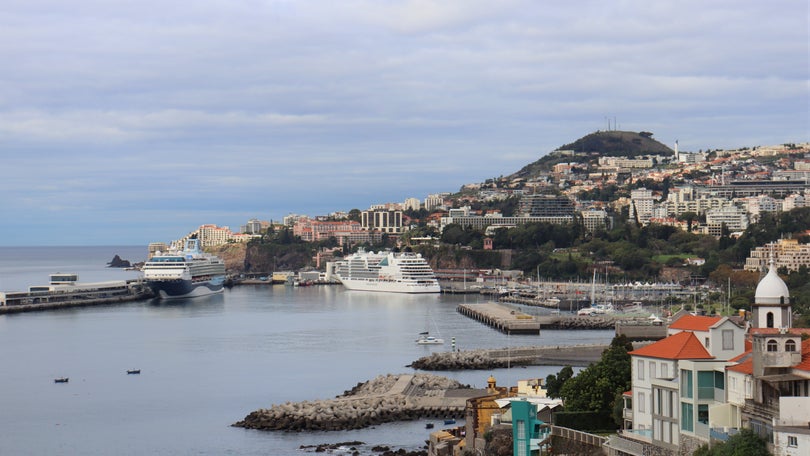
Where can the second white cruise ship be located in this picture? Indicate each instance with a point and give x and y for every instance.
(387, 271)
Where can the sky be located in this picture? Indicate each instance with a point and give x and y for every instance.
(124, 122)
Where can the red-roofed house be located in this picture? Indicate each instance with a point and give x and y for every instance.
(706, 381)
(728, 337)
(677, 379)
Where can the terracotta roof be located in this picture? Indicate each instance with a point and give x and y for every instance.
(746, 361)
(777, 331)
(683, 345)
(805, 364)
(694, 323)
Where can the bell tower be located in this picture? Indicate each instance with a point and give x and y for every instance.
(771, 307)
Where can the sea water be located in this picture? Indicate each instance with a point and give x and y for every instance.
(207, 362)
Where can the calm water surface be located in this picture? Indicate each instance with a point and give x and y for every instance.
(206, 363)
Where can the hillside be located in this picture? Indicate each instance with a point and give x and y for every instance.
(598, 144)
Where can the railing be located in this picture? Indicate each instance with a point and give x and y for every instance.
(626, 446)
(760, 409)
(578, 436)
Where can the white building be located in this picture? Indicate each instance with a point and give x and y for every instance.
(732, 216)
(412, 204)
(641, 204)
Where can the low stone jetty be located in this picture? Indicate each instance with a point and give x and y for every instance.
(573, 355)
(501, 317)
(384, 399)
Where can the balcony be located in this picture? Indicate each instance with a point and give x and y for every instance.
(765, 410)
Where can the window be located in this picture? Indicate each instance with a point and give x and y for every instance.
(640, 402)
(652, 370)
(793, 441)
(719, 380)
(706, 339)
(705, 385)
(703, 414)
(728, 339)
(687, 414)
(769, 320)
(659, 403)
(640, 369)
(664, 370)
(790, 345)
(772, 345)
(686, 383)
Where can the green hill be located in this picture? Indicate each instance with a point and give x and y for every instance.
(598, 144)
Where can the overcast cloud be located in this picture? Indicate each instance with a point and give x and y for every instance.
(130, 122)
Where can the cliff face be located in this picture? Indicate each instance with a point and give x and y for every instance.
(263, 258)
(232, 254)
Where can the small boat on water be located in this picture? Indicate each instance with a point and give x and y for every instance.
(61, 380)
(426, 339)
(450, 421)
(429, 426)
(133, 371)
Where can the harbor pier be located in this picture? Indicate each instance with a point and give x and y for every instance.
(56, 296)
(502, 318)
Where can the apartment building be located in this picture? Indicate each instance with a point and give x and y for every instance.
(316, 230)
(383, 220)
(786, 253)
(541, 205)
(735, 218)
(641, 205)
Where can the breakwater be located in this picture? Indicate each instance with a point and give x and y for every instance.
(384, 399)
(573, 355)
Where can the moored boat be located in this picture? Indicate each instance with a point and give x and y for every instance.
(184, 274)
(61, 380)
(394, 272)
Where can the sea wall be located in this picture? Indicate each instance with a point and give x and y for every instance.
(573, 355)
(384, 399)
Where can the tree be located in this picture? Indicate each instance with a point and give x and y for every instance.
(555, 382)
(596, 387)
(688, 217)
(745, 443)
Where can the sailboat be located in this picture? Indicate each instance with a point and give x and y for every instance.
(596, 309)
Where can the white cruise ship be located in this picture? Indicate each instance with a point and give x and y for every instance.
(184, 274)
(387, 271)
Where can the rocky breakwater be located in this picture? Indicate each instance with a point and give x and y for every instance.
(574, 355)
(381, 400)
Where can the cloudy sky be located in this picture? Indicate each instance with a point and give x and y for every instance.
(127, 122)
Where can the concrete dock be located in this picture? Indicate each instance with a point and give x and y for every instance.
(501, 317)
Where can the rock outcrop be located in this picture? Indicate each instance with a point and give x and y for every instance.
(117, 262)
(384, 399)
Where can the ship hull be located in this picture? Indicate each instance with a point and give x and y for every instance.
(389, 287)
(178, 289)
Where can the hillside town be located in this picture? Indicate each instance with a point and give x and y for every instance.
(719, 373)
(717, 193)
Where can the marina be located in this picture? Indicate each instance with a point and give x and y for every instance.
(323, 336)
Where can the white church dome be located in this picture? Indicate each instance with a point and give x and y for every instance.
(772, 289)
